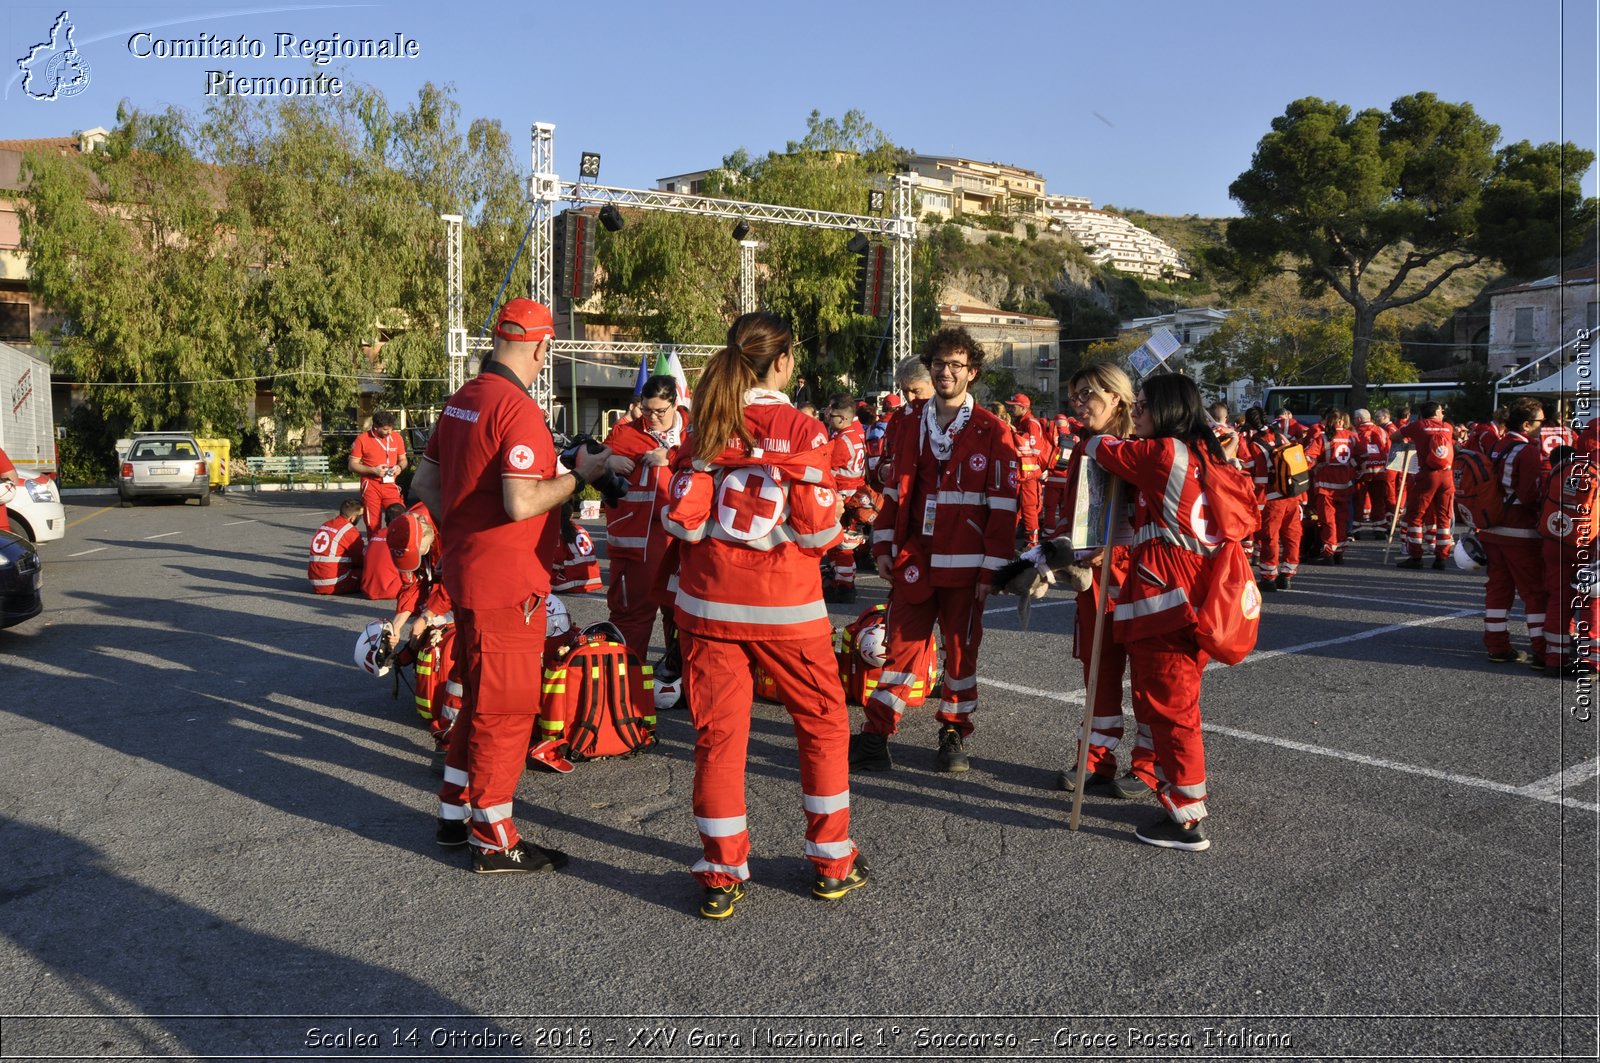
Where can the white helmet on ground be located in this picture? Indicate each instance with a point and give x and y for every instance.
(668, 692)
(370, 657)
(872, 643)
(1469, 555)
(557, 621)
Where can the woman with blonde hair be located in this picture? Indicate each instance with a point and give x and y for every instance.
(1102, 398)
(755, 505)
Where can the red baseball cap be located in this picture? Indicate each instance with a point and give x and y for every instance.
(893, 401)
(533, 318)
(404, 537)
(1020, 399)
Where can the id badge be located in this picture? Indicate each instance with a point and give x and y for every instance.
(928, 509)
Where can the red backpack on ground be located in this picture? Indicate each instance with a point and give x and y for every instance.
(1228, 617)
(1480, 497)
(860, 645)
(598, 701)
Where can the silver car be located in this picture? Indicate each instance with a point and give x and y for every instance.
(163, 465)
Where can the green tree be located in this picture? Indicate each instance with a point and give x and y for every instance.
(1288, 344)
(1383, 207)
(132, 244)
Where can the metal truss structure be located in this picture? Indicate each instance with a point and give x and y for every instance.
(546, 191)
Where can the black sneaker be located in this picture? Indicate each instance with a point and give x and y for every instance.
(521, 857)
(1438, 564)
(951, 758)
(1130, 786)
(1282, 583)
(869, 751)
(1536, 663)
(719, 900)
(1338, 557)
(1096, 783)
(1410, 562)
(451, 833)
(1266, 585)
(1167, 834)
(1506, 657)
(831, 889)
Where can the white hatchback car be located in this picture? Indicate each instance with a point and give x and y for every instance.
(36, 511)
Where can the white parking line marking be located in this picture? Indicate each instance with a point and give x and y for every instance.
(81, 553)
(1552, 785)
(1548, 790)
(163, 535)
(1051, 604)
(247, 520)
(1363, 600)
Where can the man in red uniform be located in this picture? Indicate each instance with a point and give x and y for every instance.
(1485, 436)
(643, 449)
(378, 456)
(1431, 491)
(1569, 522)
(1278, 541)
(379, 579)
(1555, 432)
(336, 555)
(424, 620)
(1332, 481)
(1372, 501)
(1516, 564)
(1033, 452)
(849, 477)
(948, 522)
(491, 474)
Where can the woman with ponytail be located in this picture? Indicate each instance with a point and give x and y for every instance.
(1168, 464)
(755, 506)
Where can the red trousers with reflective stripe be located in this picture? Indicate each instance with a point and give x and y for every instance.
(1515, 570)
(1279, 538)
(501, 656)
(437, 704)
(1572, 617)
(1430, 512)
(1166, 699)
(1334, 509)
(844, 567)
(1106, 726)
(909, 626)
(630, 595)
(807, 678)
(1374, 500)
(1030, 503)
(376, 496)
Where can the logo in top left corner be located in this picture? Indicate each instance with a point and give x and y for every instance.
(54, 68)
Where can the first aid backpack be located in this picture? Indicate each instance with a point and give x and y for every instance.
(1480, 497)
(598, 701)
(1290, 473)
(860, 646)
(1228, 617)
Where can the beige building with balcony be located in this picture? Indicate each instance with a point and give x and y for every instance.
(979, 187)
(1530, 320)
(1027, 344)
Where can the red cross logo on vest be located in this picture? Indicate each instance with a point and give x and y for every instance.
(749, 503)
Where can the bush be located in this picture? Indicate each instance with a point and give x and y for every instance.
(87, 449)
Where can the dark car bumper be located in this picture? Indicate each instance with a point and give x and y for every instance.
(20, 582)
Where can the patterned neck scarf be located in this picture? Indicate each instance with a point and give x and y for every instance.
(943, 440)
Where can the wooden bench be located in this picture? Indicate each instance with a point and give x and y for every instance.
(289, 465)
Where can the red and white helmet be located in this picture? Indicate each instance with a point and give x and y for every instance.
(557, 621)
(872, 644)
(8, 491)
(369, 650)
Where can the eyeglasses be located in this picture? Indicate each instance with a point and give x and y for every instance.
(950, 367)
(1084, 396)
(658, 411)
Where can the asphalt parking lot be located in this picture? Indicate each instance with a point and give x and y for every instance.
(219, 844)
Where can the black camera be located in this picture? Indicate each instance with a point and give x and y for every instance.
(612, 487)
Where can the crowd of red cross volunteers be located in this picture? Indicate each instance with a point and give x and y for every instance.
(739, 526)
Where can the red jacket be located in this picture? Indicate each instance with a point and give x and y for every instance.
(1521, 469)
(336, 555)
(1435, 442)
(1485, 437)
(752, 525)
(1261, 445)
(1552, 436)
(1570, 503)
(1033, 446)
(379, 579)
(975, 510)
(633, 525)
(850, 458)
(1372, 449)
(424, 588)
(1171, 534)
(1341, 450)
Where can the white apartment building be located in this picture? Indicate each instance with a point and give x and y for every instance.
(1530, 320)
(1113, 240)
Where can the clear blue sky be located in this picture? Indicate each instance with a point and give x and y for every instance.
(1155, 104)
